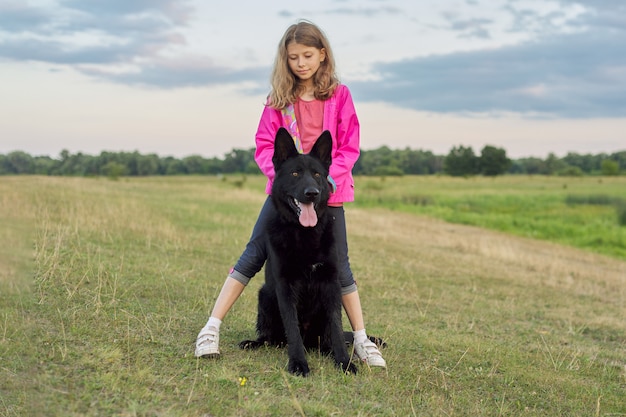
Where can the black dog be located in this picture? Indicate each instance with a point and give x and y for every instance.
(300, 301)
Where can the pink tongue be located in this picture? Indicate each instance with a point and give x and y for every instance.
(308, 218)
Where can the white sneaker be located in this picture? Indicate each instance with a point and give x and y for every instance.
(368, 352)
(207, 343)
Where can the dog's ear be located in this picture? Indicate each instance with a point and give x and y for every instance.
(284, 148)
(323, 148)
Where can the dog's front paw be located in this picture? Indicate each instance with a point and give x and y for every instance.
(250, 344)
(298, 367)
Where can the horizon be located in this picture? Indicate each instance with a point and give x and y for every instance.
(162, 156)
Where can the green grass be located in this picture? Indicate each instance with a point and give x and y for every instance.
(105, 284)
(584, 212)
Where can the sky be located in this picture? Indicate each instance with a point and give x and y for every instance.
(189, 77)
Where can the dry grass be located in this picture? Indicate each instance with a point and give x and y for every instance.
(468, 251)
(435, 250)
(478, 322)
(17, 217)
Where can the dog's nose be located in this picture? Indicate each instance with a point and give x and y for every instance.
(311, 192)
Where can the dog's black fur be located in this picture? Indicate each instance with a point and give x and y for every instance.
(300, 301)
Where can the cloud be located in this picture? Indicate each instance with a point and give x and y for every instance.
(348, 11)
(15, 16)
(574, 67)
(59, 52)
(169, 11)
(369, 12)
(468, 28)
(183, 72)
(87, 32)
(578, 75)
(131, 14)
(571, 61)
(607, 14)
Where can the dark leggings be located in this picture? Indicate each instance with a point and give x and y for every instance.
(253, 257)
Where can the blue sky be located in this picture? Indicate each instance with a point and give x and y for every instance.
(179, 77)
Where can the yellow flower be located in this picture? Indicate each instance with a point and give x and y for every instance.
(242, 381)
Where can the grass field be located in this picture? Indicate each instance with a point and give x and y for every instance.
(585, 212)
(479, 322)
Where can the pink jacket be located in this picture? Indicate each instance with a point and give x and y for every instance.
(340, 120)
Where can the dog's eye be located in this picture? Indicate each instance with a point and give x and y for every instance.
(295, 174)
(317, 175)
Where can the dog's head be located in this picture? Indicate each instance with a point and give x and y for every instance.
(300, 188)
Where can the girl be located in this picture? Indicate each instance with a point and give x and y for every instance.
(306, 98)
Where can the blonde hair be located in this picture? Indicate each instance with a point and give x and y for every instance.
(285, 85)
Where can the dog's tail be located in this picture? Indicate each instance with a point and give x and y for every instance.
(379, 341)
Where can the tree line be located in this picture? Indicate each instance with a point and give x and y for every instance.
(383, 161)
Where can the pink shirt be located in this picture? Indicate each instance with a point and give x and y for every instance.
(310, 117)
(340, 119)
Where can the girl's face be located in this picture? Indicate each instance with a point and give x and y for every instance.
(304, 61)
